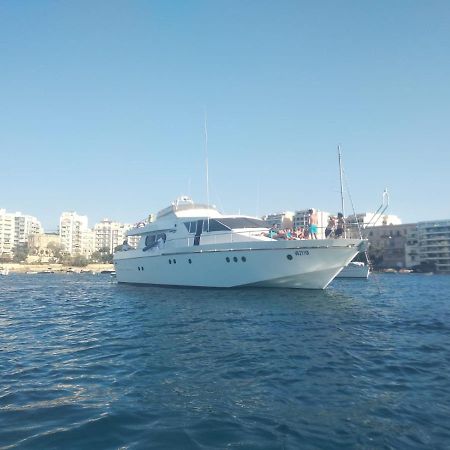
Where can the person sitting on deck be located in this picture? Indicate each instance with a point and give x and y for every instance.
(273, 232)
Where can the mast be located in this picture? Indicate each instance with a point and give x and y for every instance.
(206, 162)
(340, 179)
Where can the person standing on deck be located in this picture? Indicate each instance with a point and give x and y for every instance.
(340, 226)
(312, 222)
(330, 226)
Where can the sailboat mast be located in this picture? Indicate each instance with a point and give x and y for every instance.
(340, 179)
(206, 161)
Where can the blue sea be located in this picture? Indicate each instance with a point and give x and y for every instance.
(86, 363)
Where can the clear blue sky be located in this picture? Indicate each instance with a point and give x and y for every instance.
(102, 105)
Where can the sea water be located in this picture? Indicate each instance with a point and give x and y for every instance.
(86, 363)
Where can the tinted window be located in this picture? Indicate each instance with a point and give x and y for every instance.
(191, 226)
(215, 225)
(243, 222)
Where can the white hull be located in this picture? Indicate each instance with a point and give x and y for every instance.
(291, 264)
(354, 271)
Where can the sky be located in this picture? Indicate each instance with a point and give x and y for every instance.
(103, 106)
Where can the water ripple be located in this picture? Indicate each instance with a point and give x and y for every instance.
(90, 364)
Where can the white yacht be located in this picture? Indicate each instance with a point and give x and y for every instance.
(195, 245)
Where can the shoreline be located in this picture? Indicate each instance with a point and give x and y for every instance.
(56, 268)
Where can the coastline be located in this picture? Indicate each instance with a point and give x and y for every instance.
(56, 268)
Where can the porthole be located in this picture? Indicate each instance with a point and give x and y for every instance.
(190, 261)
(142, 268)
(227, 259)
(139, 268)
(170, 261)
(244, 259)
(289, 257)
(235, 259)
(174, 261)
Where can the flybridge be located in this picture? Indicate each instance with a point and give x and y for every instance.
(184, 204)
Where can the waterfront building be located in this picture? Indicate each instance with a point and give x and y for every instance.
(43, 246)
(282, 220)
(301, 219)
(75, 236)
(369, 219)
(15, 229)
(434, 244)
(412, 252)
(388, 244)
(109, 234)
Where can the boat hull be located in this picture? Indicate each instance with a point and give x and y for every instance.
(309, 265)
(354, 271)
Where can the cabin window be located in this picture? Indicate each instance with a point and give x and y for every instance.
(191, 227)
(215, 225)
(243, 222)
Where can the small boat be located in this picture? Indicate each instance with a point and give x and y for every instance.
(355, 269)
(195, 245)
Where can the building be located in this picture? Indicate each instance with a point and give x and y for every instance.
(15, 229)
(433, 244)
(75, 236)
(388, 244)
(109, 234)
(369, 219)
(281, 220)
(301, 219)
(43, 246)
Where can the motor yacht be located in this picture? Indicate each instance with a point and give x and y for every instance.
(191, 244)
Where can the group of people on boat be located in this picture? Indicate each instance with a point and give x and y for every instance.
(334, 229)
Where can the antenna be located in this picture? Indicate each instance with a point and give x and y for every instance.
(206, 160)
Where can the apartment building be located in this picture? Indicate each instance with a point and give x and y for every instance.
(15, 229)
(281, 220)
(109, 234)
(433, 244)
(301, 219)
(370, 219)
(75, 236)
